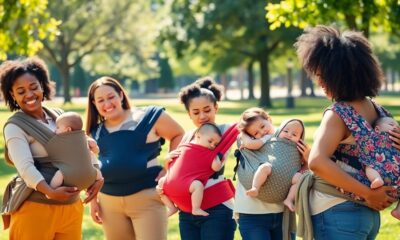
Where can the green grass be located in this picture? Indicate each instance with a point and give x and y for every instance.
(308, 109)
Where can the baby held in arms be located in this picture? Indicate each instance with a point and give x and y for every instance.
(383, 124)
(67, 122)
(257, 129)
(208, 136)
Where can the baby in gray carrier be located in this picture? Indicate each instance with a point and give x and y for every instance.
(68, 122)
(257, 130)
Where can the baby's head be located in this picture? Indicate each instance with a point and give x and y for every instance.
(292, 130)
(68, 121)
(207, 135)
(256, 123)
(385, 124)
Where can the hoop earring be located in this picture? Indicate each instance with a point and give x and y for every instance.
(16, 104)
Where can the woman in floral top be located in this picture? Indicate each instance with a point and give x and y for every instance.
(345, 67)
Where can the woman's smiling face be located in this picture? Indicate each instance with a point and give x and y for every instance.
(108, 102)
(28, 93)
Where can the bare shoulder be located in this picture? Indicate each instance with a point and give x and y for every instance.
(332, 127)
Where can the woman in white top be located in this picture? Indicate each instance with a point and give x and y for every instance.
(54, 213)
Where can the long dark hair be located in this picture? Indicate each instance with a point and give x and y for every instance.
(92, 116)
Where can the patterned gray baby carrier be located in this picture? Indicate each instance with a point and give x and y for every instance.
(284, 158)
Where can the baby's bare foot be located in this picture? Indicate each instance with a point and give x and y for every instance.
(289, 204)
(199, 212)
(396, 213)
(378, 182)
(253, 192)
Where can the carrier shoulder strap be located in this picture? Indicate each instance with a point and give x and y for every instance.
(31, 126)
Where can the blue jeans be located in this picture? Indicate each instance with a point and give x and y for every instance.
(219, 225)
(261, 226)
(346, 221)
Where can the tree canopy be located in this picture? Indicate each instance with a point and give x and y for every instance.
(228, 33)
(362, 15)
(23, 25)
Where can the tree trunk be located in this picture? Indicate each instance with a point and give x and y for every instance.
(311, 84)
(303, 83)
(386, 79)
(224, 82)
(250, 79)
(393, 77)
(240, 79)
(265, 100)
(66, 83)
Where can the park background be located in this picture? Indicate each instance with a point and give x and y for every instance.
(154, 47)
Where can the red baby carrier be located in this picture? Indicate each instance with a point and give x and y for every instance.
(194, 163)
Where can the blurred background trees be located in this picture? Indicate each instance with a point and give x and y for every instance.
(158, 46)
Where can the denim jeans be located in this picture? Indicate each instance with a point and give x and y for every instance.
(219, 225)
(346, 221)
(261, 226)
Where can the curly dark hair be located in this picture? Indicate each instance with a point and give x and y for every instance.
(11, 70)
(343, 62)
(202, 87)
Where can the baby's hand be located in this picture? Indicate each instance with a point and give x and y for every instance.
(94, 148)
(244, 140)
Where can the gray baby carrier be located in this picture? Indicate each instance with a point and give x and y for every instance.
(285, 159)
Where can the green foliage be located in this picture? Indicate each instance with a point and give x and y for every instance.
(225, 34)
(107, 37)
(365, 15)
(23, 25)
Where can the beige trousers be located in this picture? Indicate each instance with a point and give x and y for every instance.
(140, 216)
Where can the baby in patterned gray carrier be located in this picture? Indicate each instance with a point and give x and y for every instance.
(257, 131)
(383, 124)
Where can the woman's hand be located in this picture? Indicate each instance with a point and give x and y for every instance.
(161, 174)
(173, 154)
(395, 137)
(160, 186)
(380, 198)
(304, 149)
(92, 191)
(95, 211)
(63, 193)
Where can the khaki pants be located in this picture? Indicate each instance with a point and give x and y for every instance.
(140, 216)
(47, 222)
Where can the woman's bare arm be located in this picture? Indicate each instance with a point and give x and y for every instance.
(332, 130)
(166, 127)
